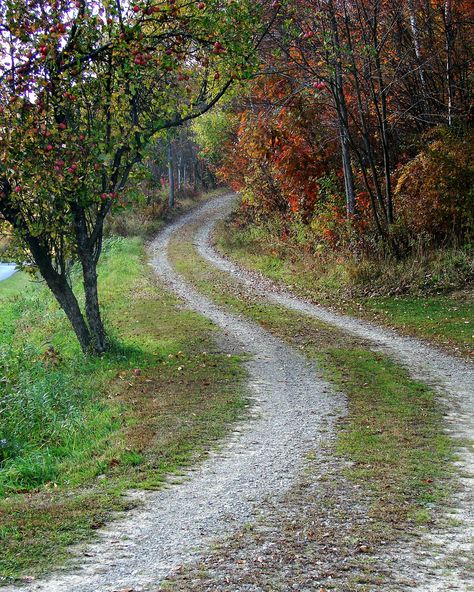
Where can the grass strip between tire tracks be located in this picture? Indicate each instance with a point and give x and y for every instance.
(393, 433)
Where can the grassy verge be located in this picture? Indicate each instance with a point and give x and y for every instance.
(446, 318)
(394, 429)
(77, 433)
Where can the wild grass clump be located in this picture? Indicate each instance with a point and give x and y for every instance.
(142, 221)
(430, 271)
(285, 250)
(47, 398)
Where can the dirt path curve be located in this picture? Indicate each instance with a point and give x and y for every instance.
(293, 414)
(452, 546)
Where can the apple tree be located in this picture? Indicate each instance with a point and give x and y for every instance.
(84, 86)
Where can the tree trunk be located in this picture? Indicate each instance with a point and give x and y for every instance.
(89, 247)
(68, 302)
(170, 177)
(449, 66)
(348, 175)
(63, 293)
(417, 46)
(380, 107)
(94, 318)
(343, 118)
(384, 134)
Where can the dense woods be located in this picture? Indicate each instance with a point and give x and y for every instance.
(360, 123)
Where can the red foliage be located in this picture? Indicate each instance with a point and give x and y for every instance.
(361, 83)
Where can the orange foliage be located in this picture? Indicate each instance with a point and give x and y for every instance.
(357, 87)
(435, 190)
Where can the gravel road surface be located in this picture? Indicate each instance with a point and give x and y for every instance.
(452, 377)
(293, 414)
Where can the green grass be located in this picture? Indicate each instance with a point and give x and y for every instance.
(78, 432)
(394, 429)
(446, 318)
(13, 285)
(394, 434)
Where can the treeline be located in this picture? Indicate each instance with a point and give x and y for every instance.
(176, 166)
(172, 171)
(359, 124)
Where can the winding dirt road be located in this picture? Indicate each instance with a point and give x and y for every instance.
(294, 410)
(294, 415)
(450, 376)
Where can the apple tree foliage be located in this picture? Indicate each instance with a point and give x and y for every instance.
(84, 86)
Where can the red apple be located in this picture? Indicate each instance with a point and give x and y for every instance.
(218, 48)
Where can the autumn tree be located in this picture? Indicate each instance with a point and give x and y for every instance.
(84, 86)
(369, 79)
(384, 79)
